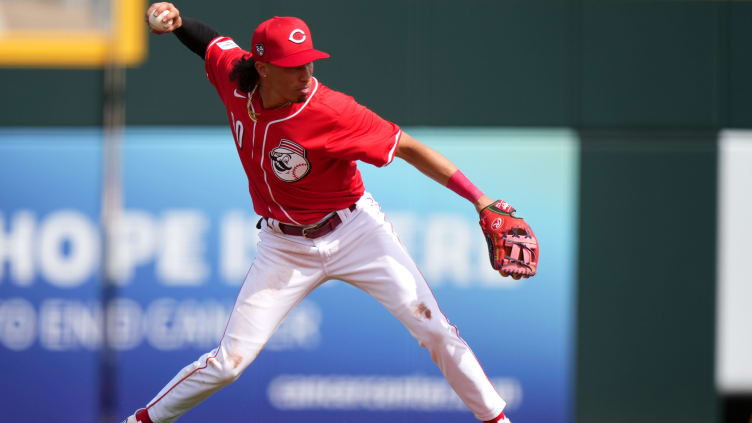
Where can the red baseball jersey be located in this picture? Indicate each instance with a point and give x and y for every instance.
(300, 159)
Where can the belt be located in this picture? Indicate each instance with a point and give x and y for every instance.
(318, 230)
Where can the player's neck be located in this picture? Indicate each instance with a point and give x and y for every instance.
(271, 100)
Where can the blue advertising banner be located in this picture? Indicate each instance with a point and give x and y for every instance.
(185, 239)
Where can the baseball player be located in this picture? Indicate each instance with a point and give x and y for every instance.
(298, 142)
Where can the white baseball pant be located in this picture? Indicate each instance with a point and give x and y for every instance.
(363, 251)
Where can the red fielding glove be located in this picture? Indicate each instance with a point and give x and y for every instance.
(512, 245)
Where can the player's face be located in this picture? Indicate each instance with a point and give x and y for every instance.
(291, 84)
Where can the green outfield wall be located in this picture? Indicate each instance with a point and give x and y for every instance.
(583, 63)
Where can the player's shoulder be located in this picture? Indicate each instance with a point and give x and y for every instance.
(224, 46)
(223, 42)
(331, 102)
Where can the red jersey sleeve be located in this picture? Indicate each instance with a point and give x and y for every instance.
(220, 56)
(360, 134)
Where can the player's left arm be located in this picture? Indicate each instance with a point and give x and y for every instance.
(437, 167)
(512, 246)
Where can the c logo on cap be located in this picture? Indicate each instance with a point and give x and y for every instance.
(299, 39)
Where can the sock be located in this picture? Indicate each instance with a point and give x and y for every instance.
(499, 419)
(143, 416)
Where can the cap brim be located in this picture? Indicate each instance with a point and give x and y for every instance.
(300, 58)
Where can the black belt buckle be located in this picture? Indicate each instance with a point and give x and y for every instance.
(304, 231)
(313, 230)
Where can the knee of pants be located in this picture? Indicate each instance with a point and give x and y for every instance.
(433, 334)
(228, 369)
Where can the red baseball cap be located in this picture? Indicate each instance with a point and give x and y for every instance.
(284, 41)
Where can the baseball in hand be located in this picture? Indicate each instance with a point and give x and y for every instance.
(155, 22)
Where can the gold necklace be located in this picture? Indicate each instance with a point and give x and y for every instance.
(251, 113)
(254, 115)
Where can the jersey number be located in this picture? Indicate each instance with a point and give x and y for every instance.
(237, 127)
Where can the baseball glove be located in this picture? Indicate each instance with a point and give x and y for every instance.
(512, 246)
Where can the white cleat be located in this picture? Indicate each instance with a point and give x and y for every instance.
(131, 419)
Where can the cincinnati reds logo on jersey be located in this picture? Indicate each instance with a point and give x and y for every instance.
(289, 161)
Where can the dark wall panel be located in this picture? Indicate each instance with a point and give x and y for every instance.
(517, 63)
(510, 64)
(740, 65)
(50, 97)
(646, 296)
(651, 64)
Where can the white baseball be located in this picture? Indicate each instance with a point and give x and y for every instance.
(156, 21)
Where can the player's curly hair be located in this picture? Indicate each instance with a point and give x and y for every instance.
(244, 74)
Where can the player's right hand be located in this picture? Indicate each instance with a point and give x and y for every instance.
(173, 14)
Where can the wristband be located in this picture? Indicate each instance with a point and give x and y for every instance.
(459, 183)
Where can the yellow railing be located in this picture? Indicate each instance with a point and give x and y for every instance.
(125, 44)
